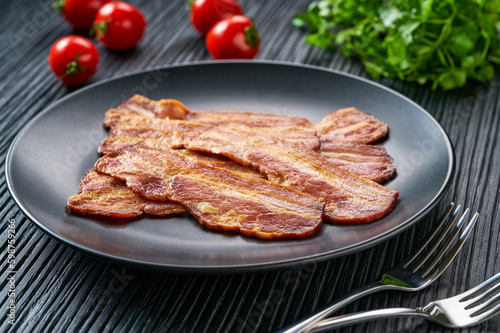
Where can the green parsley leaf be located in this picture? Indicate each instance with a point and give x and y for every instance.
(445, 43)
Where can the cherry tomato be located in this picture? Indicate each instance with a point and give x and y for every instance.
(79, 13)
(73, 59)
(205, 13)
(233, 38)
(119, 25)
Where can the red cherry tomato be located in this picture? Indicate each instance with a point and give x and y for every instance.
(233, 38)
(205, 13)
(119, 25)
(79, 13)
(73, 59)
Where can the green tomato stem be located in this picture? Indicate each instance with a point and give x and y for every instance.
(252, 37)
(99, 29)
(58, 6)
(72, 68)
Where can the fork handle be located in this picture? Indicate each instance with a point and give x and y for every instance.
(359, 317)
(305, 324)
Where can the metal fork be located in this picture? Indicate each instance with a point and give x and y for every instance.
(467, 309)
(416, 272)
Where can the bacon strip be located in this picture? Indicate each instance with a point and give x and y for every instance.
(346, 125)
(128, 127)
(170, 108)
(368, 161)
(348, 197)
(351, 125)
(165, 108)
(101, 194)
(218, 198)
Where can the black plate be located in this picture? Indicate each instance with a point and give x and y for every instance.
(50, 155)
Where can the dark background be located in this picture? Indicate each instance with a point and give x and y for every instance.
(61, 290)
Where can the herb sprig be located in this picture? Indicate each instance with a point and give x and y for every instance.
(446, 42)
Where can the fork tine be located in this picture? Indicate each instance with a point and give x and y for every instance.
(483, 285)
(483, 307)
(469, 226)
(423, 245)
(456, 248)
(489, 313)
(447, 243)
(478, 300)
(439, 244)
(482, 314)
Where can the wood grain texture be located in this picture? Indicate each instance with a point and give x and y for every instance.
(61, 290)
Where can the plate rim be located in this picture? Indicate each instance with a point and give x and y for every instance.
(234, 268)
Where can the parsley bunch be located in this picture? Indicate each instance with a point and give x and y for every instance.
(445, 42)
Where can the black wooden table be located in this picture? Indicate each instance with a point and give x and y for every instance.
(58, 289)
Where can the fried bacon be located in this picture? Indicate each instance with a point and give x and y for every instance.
(349, 198)
(165, 108)
(170, 108)
(101, 194)
(134, 128)
(129, 127)
(218, 198)
(351, 125)
(368, 161)
(223, 187)
(344, 125)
